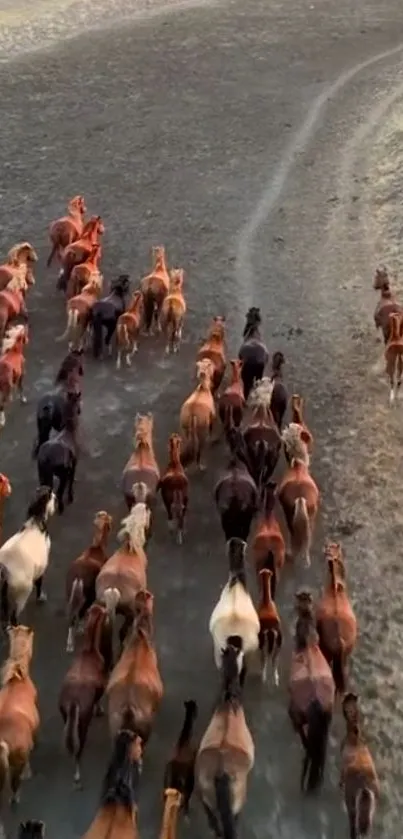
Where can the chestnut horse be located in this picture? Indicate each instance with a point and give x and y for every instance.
(298, 494)
(174, 488)
(268, 546)
(79, 313)
(394, 356)
(270, 635)
(387, 304)
(253, 351)
(78, 250)
(142, 466)
(297, 417)
(173, 312)
(336, 624)
(213, 350)
(231, 403)
(128, 330)
(20, 261)
(19, 717)
(12, 367)
(358, 777)
(82, 274)
(197, 416)
(12, 303)
(154, 288)
(67, 229)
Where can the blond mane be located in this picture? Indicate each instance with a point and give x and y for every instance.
(294, 445)
(11, 337)
(261, 394)
(135, 526)
(14, 254)
(18, 282)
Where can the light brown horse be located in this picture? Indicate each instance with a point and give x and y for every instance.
(312, 694)
(155, 287)
(358, 777)
(135, 687)
(79, 311)
(394, 356)
(298, 494)
(77, 251)
(19, 264)
(5, 492)
(84, 683)
(128, 330)
(387, 304)
(19, 717)
(12, 303)
(142, 466)
(197, 416)
(12, 367)
(336, 624)
(174, 487)
(83, 273)
(82, 574)
(226, 754)
(173, 312)
(213, 349)
(117, 816)
(67, 229)
(268, 546)
(231, 403)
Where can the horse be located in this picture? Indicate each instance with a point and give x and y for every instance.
(78, 250)
(312, 695)
(84, 684)
(106, 312)
(173, 312)
(20, 261)
(174, 488)
(197, 416)
(387, 304)
(79, 313)
(12, 367)
(213, 350)
(154, 288)
(298, 494)
(297, 417)
(117, 812)
(24, 558)
(83, 273)
(268, 546)
(253, 351)
(135, 688)
(279, 397)
(82, 575)
(234, 619)
(394, 356)
(5, 492)
(231, 403)
(358, 777)
(179, 771)
(336, 625)
(142, 466)
(31, 829)
(57, 457)
(270, 635)
(237, 500)
(19, 717)
(128, 329)
(258, 441)
(226, 754)
(52, 407)
(67, 229)
(12, 303)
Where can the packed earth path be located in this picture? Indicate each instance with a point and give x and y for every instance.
(240, 135)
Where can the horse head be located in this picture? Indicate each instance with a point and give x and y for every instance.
(121, 285)
(143, 429)
(177, 276)
(381, 279)
(23, 252)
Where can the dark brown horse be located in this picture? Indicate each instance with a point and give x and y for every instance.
(358, 776)
(236, 498)
(279, 397)
(253, 351)
(58, 457)
(174, 488)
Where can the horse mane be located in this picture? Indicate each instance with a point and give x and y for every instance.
(131, 524)
(295, 446)
(13, 253)
(17, 283)
(261, 394)
(11, 337)
(231, 691)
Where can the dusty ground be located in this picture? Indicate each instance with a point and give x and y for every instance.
(254, 141)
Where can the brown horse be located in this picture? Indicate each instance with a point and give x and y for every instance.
(154, 288)
(387, 304)
(20, 261)
(279, 397)
(258, 442)
(79, 313)
(128, 330)
(83, 273)
(142, 466)
(173, 312)
(298, 494)
(226, 754)
(135, 688)
(19, 718)
(312, 695)
(358, 776)
(213, 349)
(179, 771)
(268, 546)
(174, 488)
(116, 817)
(197, 416)
(231, 403)
(5, 492)
(336, 624)
(270, 635)
(297, 417)
(82, 575)
(12, 367)
(12, 303)
(84, 683)
(77, 251)
(394, 356)
(67, 229)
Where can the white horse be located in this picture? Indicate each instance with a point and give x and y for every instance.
(24, 558)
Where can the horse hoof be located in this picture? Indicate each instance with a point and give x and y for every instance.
(23, 400)
(43, 598)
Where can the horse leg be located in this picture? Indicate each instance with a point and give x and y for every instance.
(15, 783)
(40, 594)
(110, 331)
(352, 821)
(70, 482)
(212, 820)
(20, 386)
(61, 490)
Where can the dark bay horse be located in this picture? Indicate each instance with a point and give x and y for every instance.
(236, 498)
(57, 458)
(52, 407)
(106, 312)
(253, 351)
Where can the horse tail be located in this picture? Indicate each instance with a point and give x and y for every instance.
(45, 474)
(364, 808)
(148, 308)
(4, 595)
(51, 255)
(269, 562)
(223, 796)
(300, 524)
(111, 599)
(44, 426)
(71, 730)
(4, 766)
(316, 743)
(97, 332)
(72, 321)
(74, 606)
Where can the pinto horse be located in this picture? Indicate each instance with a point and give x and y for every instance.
(78, 250)
(57, 458)
(67, 229)
(82, 274)
(128, 329)
(12, 303)
(52, 407)
(79, 313)
(174, 488)
(12, 367)
(237, 500)
(142, 466)
(105, 314)
(20, 261)
(19, 717)
(154, 288)
(253, 351)
(173, 312)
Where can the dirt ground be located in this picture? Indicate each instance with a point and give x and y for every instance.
(260, 143)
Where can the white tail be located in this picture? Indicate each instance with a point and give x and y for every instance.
(111, 597)
(72, 320)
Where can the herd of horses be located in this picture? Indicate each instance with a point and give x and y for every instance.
(267, 524)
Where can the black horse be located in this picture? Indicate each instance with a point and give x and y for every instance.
(57, 458)
(106, 313)
(253, 352)
(279, 399)
(51, 408)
